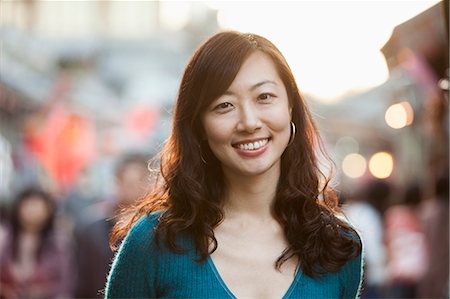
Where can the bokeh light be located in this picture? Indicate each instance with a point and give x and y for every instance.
(381, 165)
(354, 165)
(399, 115)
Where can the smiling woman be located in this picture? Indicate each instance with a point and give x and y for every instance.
(241, 208)
(248, 127)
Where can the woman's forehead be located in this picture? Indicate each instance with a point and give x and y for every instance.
(256, 71)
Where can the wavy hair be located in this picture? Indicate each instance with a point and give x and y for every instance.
(191, 192)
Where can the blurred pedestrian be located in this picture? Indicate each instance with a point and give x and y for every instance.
(94, 256)
(241, 208)
(406, 244)
(35, 260)
(365, 213)
(435, 217)
(4, 220)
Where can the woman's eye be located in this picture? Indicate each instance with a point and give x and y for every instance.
(265, 96)
(223, 106)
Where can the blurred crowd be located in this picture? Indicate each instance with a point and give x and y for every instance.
(406, 238)
(54, 246)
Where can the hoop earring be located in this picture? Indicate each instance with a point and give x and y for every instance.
(203, 159)
(293, 131)
(201, 156)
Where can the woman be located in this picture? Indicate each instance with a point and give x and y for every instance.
(239, 211)
(34, 261)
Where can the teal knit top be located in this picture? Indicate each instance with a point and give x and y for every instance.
(141, 269)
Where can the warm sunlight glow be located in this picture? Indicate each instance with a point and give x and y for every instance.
(381, 165)
(354, 165)
(174, 15)
(399, 115)
(332, 47)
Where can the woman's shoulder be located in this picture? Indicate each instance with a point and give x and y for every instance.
(351, 273)
(135, 260)
(148, 221)
(351, 232)
(144, 227)
(349, 229)
(356, 259)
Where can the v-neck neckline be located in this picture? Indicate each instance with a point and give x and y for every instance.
(297, 276)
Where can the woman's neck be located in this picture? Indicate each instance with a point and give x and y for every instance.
(251, 196)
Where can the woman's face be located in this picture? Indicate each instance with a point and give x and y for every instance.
(248, 127)
(33, 214)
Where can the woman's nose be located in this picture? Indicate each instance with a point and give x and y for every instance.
(249, 120)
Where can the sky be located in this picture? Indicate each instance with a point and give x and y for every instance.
(333, 47)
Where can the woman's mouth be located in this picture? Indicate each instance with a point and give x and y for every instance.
(251, 146)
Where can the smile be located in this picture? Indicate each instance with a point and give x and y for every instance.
(252, 146)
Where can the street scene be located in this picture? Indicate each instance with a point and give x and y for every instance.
(87, 97)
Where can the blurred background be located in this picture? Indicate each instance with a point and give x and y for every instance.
(87, 89)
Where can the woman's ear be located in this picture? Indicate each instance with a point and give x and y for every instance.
(290, 112)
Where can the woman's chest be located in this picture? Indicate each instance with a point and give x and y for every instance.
(178, 276)
(250, 271)
(246, 260)
(237, 270)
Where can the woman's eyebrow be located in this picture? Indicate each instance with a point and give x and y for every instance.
(262, 83)
(253, 87)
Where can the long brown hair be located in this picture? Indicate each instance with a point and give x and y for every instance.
(191, 191)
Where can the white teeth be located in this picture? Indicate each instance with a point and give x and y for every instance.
(253, 146)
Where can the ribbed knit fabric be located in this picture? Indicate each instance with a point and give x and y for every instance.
(142, 270)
